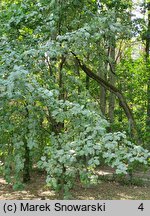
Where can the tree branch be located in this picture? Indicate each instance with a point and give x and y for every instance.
(112, 89)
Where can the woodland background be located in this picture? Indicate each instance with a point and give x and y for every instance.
(74, 89)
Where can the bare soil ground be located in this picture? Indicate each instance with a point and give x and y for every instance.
(105, 190)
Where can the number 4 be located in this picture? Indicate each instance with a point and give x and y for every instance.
(141, 207)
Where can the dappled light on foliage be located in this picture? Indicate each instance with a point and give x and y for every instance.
(74, 96)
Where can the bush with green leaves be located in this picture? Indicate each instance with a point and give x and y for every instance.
(123, 155)
(76, 152)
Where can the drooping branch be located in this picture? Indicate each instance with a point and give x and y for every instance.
(112, 89)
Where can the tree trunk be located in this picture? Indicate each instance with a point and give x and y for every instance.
(148, 69)
(78, 73)
(103, 94)
(60, 78)
(87, 77)
(26, 168)
(112, 79)
(112, 100)
(60, 125)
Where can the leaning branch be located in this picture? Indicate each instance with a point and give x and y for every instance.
(112, 89)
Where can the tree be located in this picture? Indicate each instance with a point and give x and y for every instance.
(52, 54)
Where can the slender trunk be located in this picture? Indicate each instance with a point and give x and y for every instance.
(103, 95)
(120, 114)
(87, 77)
(60, 78)
(112, 100)
(148, 69)
(103, 92)
(78, 73)
(112, 81)
(26, 168)
(57, 127)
